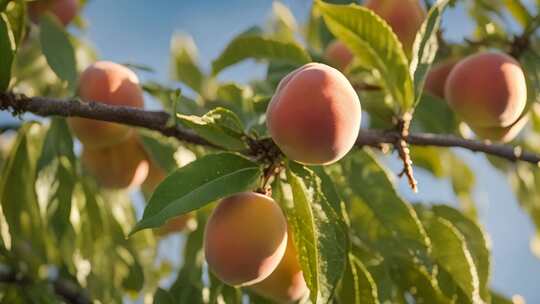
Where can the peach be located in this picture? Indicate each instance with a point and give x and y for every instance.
(64, 10)
(112, 84)
(314, 116)
(437, 76)
(502, 134)
(124, 165)
(286, 284)
(338, 54)
(405, 17)
(488, 90)
(245, 238)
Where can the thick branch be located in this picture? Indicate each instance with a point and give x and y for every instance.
(160, 121)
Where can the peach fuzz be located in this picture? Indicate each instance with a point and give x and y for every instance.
(487, 90)
(112, 84)
(245, 238)
(124, 165)
(286, 284)
(405, 17)
(314, 116)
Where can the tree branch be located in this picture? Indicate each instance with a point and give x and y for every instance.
(160, 121)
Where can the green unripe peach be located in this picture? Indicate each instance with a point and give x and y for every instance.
(245, 238)
(437, 76)
(123, 165)
(338, 54)
(405, 17)
(64, 10)
(286, 284)
(314, 116)
(112, 84)
(488, 90)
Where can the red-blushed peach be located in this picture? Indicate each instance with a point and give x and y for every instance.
(405, 17)
(112, 84)
(338, 54)
(487, 90)
(314, 116)
(123, 165)
(64, 10)
(437, 76)
(286, 284)
(245, 238)
(502, 134)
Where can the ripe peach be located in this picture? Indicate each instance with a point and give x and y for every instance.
(245, 238)
(338, 54)
(437, 76)
(124, 165)
(502, 134)
(314, 116)
(286, 284)
(112, 84)
(64, 10)
(487, 90)
(405, 17)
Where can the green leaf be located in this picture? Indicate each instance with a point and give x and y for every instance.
(7, 52)
(357, 285)
(255, 47)
(201, 182)
(497, 298)
(188, 287)
(16, 14)
(370, 181)
(317, 233)
(477, 244)
(3, 4)
(17, 193)
(518, 11)
(375, 45)
(58, 49)
(220, 126)
(184, 62)
(284, 25)
(434, 115)
(425, 47)
(163, 297)
(450, 252)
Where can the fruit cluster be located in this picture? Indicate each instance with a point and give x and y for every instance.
(487, 90)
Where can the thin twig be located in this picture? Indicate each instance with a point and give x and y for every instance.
(158, 121)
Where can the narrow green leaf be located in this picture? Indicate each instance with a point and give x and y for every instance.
(374, 43)
(451, 253)
(3, 4)
(58, 49)
(357, 285)
(317, 233)
(518, 11)
(425, 47)
(477, 244)
(184, 62)
(255, 47)
(162, 297)
(16, 14)
(371, 182)
(497, 298)
(220, 126)
(197, 184)
(7, 52)
(17, 193)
